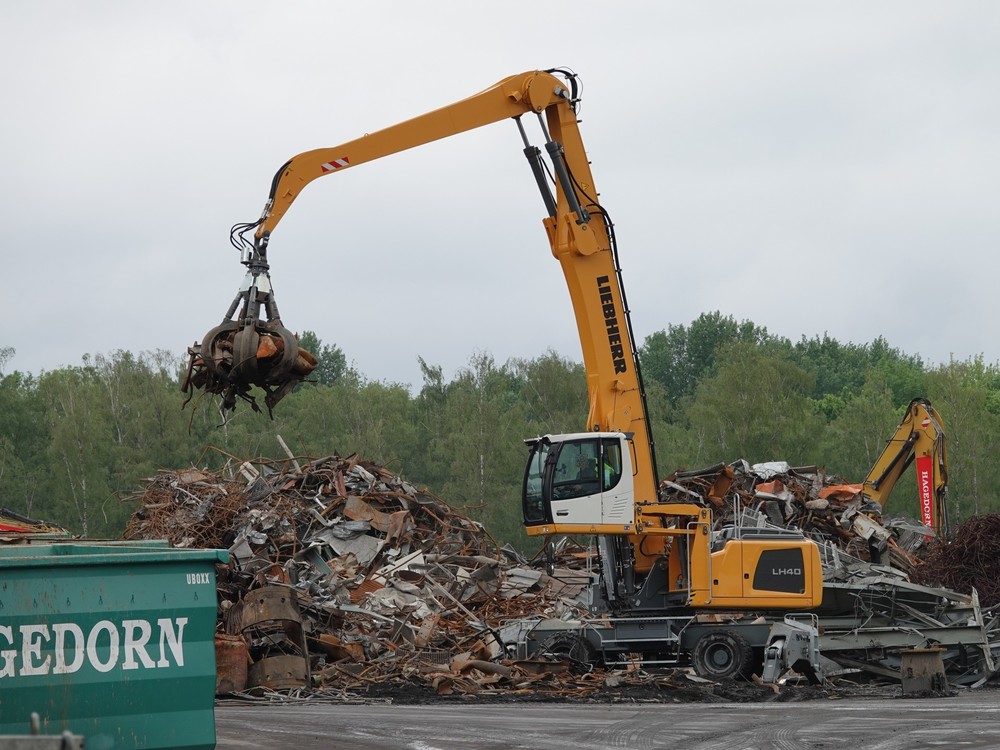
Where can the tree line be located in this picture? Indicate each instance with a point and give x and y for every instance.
(78, 442)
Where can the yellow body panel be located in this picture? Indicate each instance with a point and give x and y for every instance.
(739, 567)
(570, 529)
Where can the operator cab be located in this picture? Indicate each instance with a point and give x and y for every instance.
(579, 483)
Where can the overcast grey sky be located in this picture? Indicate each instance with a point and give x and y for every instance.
(812, 166)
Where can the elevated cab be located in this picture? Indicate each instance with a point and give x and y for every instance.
(579, 483)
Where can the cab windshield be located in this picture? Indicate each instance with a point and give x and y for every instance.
(568, 470)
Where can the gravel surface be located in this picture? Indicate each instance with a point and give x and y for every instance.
(794, 719)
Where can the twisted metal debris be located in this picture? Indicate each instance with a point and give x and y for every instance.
(970, 560)
(346, 580)
(389, 582)
(824, 506)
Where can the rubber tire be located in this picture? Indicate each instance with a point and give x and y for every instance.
(722, 655)
(575, 649)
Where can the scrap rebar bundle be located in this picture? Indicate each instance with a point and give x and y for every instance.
(970, 560)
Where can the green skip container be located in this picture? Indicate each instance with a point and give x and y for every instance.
(111, 642)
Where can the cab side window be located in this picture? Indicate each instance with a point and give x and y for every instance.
(611, 464)
(577, 471)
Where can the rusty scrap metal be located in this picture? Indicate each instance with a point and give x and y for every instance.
(232, 658)
(279, 672)
(822, 505)
(14, 525)
(272, 626)
(232, 359)
(970, 560)
(251, 347)
(397, 591)
(387, 580)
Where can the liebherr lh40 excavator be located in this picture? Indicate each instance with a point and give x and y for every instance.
(660, 564)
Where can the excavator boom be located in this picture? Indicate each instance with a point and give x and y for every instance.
(919, 439)
(531, 92)
(601, 481)
(580, 233)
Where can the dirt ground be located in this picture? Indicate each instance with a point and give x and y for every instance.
(728, 692)
(670, 687)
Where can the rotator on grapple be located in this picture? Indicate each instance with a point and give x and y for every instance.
(246, 350)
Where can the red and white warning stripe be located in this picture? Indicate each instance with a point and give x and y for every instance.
(335, 164)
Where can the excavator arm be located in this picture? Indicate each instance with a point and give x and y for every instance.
(532, 92)
(601, 481)
(918, 439)
(252, 347)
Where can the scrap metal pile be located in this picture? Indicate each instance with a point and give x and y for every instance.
(14, 525)
(970, 560)
(889, 585)
(823, 505)
(345, 576)
(348, 580)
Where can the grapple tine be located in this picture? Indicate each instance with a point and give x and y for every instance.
(234, 358)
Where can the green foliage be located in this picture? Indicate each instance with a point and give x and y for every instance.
(482, 444)
(754, 407)
(681, 356)
(553, 393)
(962, 393)
(672, 440)
(75, 441)
(831, 405)
(331, 363)
(79, 451)
(24, 437)
(842, 369)
(859, 431)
